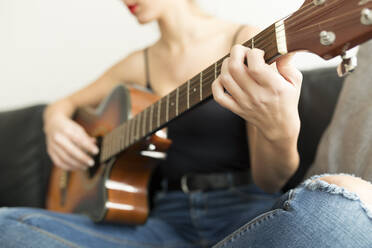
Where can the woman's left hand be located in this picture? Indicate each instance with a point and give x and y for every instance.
(266, 96)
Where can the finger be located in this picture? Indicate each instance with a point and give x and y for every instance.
(80, 137)
(57, 161)
(237, 68)
(72, 150)
(288, 70)
(66, 160)
(228, 83)
(224, 99)
(261, 72)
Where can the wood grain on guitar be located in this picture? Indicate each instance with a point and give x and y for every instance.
(116, 188)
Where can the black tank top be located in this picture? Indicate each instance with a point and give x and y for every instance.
(207, 139)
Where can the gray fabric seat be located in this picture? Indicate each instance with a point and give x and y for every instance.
(24, 163)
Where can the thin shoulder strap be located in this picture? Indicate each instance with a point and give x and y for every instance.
(236, 34)
(147, 67)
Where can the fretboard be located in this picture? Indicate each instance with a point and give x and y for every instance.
(190, 94)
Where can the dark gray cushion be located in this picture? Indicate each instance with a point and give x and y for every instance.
(24, 163)
(319, 94)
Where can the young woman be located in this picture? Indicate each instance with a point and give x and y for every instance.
(209, 143)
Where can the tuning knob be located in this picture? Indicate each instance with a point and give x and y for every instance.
(347, 65)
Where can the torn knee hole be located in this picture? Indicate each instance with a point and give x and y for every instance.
(349, 186)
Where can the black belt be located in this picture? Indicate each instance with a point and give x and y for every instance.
(207, 182)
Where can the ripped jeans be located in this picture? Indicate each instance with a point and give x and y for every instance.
(315, 214)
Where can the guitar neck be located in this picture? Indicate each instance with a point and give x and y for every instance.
(190, 94)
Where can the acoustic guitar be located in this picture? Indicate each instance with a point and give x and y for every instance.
(115, 189)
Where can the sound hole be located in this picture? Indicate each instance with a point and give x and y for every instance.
(92, 171)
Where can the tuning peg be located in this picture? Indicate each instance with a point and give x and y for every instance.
(347, 65)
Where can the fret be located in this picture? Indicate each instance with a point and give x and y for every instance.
(177, 96)
(134, 125)
(215, 71)
(133, 131)
(167, 107)
(155, 116)
(188, 94)
(173, 104)
(252, 42)
(128, 133)
(183, 98)
(194, 92)
(116, 141)
(159, 108)
(138, 122)
(148, 121)
(151, 116)
(131, 124)
(104, 148)
(201, 86)
(207, 84)
(163, 113)
(121, 137)
(144, 122)
(126, 140)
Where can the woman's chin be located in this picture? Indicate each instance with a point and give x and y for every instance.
(144, 19)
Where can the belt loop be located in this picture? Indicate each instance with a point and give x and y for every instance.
(184, 186)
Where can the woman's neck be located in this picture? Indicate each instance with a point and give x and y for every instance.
(181, 25)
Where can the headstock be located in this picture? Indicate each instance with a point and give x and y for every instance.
(329, 27)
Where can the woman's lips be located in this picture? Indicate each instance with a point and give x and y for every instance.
(132, 8)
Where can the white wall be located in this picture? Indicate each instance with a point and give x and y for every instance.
(50, 48)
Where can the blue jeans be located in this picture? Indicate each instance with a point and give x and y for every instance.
(314, 214)
(178, 220)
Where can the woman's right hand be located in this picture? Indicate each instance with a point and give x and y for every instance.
(68, 145)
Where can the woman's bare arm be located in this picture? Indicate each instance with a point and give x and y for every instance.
(68, 144)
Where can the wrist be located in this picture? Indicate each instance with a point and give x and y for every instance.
(288, 132)
(61, 107)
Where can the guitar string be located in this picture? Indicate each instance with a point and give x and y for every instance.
(351, 13)
(301, 17)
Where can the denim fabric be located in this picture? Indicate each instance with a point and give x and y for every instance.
(178, 220)
(316, 214)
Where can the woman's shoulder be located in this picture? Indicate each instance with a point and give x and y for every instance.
(131, 69)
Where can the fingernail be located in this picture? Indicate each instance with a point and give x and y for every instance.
(91, 163)
(95, 150)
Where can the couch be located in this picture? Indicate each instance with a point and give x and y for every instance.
(25, 165)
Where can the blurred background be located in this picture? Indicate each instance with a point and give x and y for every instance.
(51, 48)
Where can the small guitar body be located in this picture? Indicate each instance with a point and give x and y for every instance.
(116, 190)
